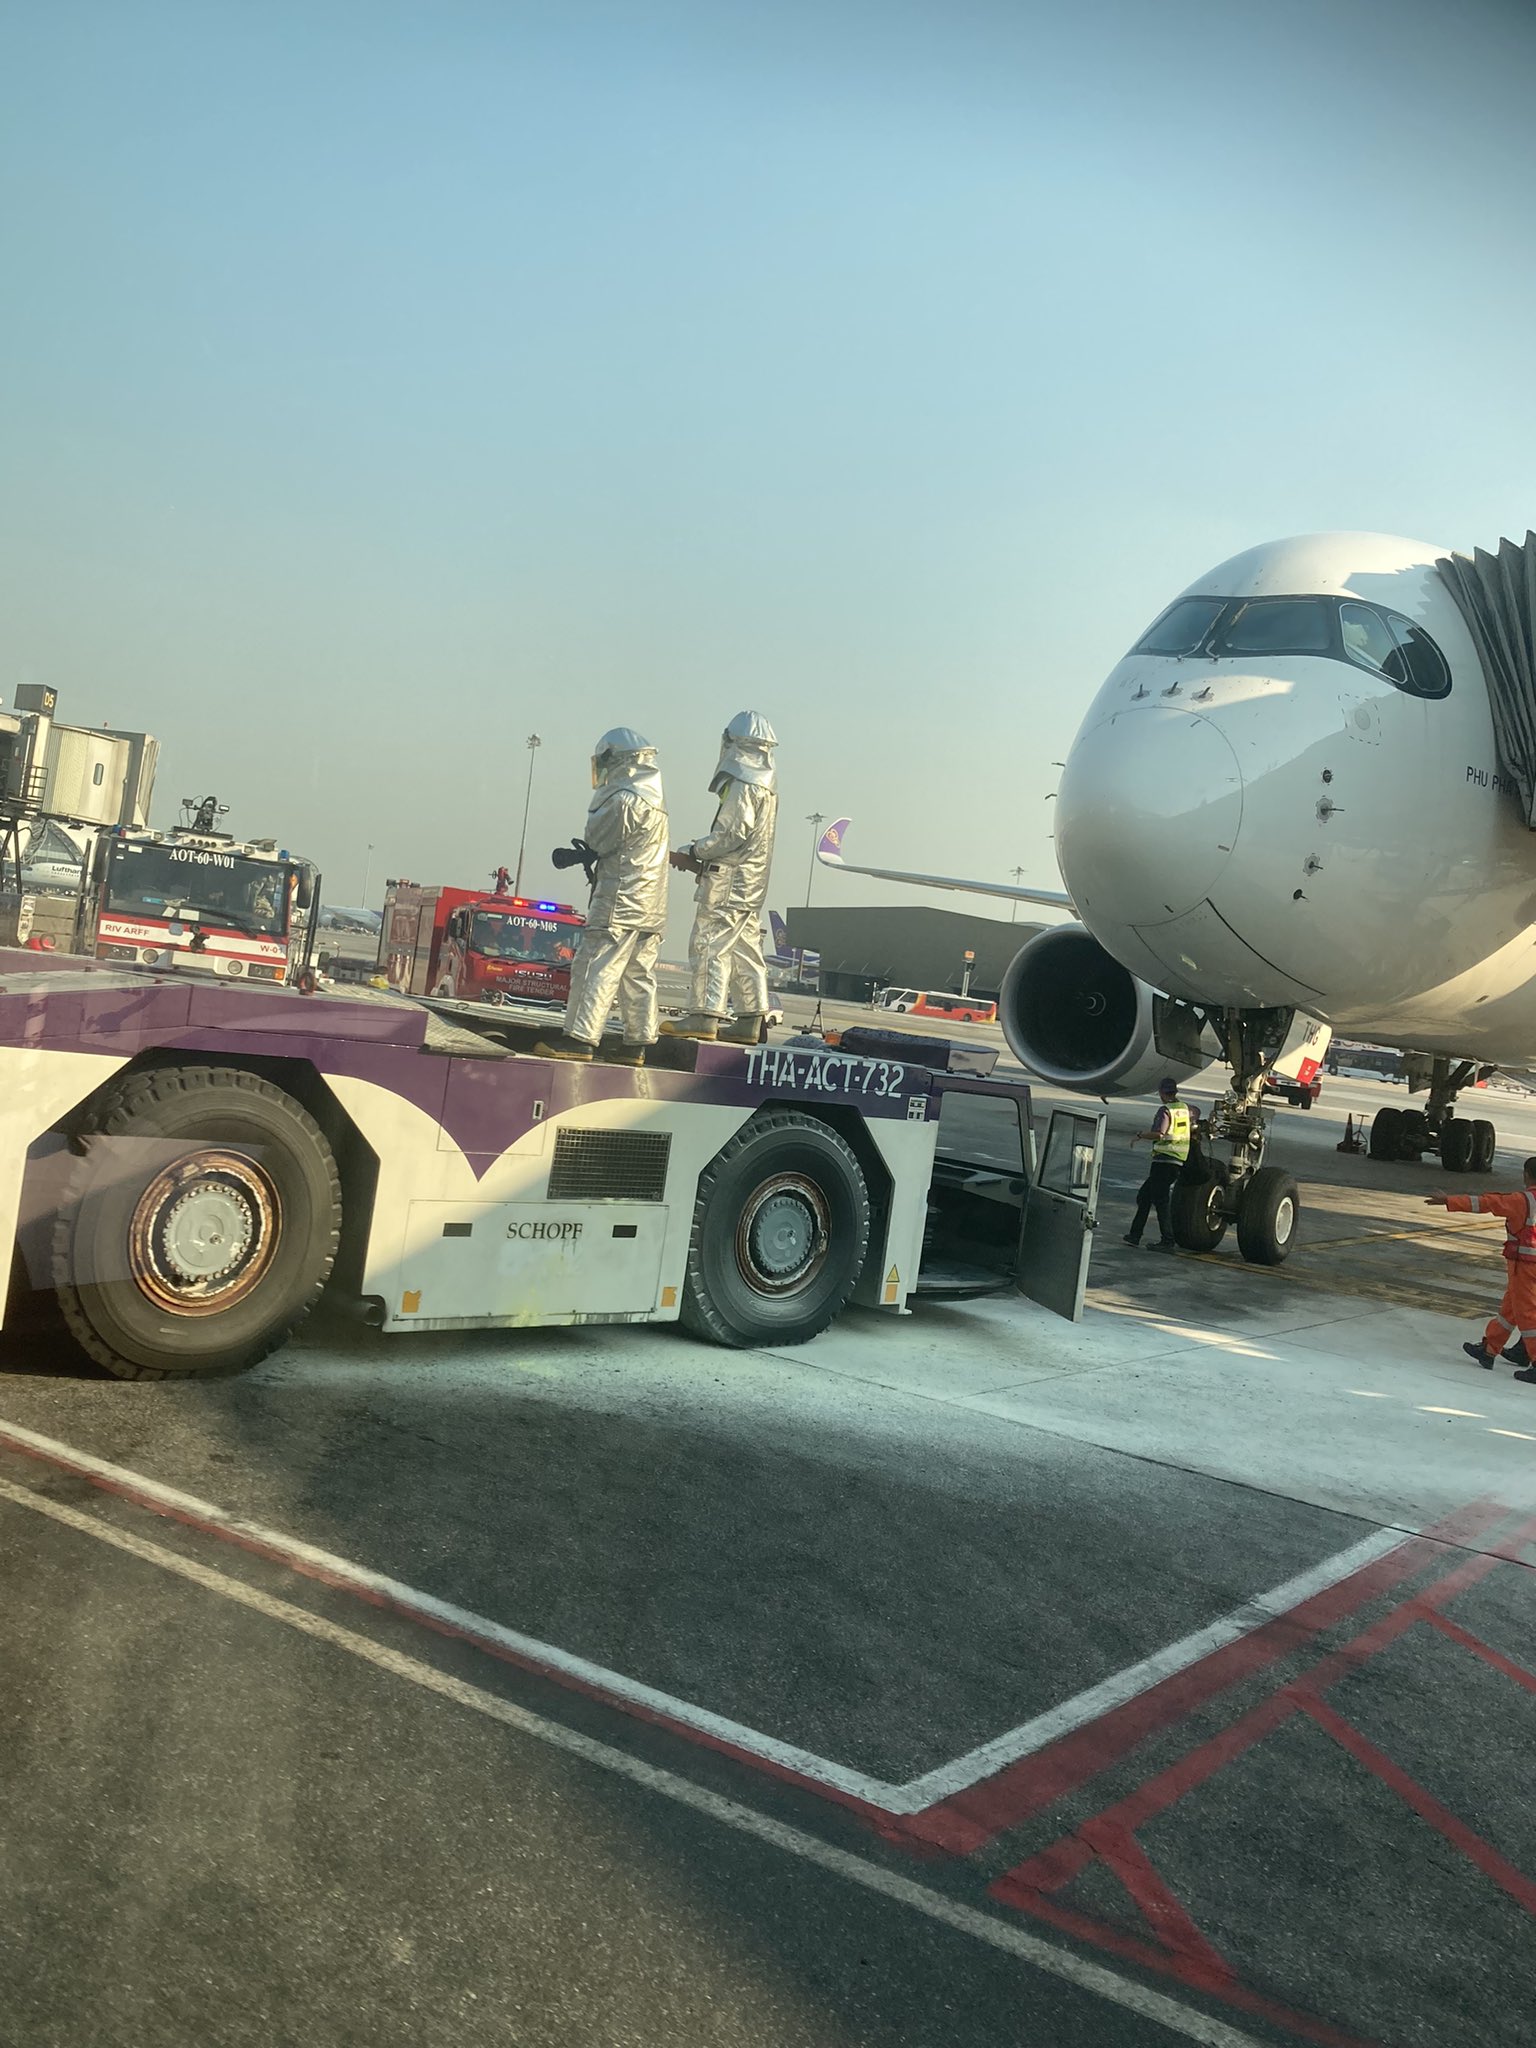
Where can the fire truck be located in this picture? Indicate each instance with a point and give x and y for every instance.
(199, 900)
(477, 945)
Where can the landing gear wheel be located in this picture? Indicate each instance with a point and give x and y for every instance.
(1485, 1141)
(780, 1231)
(198, 1228)
(1386, 1133)
(1198, 1217)
(1413, 1136)
(1267, 1216)
(1457, 1144)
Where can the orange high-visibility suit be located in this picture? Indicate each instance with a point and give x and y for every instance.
(1517, 1311)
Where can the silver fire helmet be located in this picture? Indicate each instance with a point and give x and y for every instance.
(746, 752)
(623, 755)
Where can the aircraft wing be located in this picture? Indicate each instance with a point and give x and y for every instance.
(829, 851)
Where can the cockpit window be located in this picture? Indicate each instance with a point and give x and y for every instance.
(1368, 640)
(1183, 628)
(1278, 625)
(1429, 673)
(1338, 629)
(1396, 648)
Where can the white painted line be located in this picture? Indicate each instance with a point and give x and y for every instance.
(1113, 1692)
(1366, 1395)
(997, 1933)
(913, 1797)
(1472, 1414)
(1523, 1434)
(873, 1791)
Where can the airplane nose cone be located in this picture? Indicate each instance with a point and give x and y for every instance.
(1147, 815)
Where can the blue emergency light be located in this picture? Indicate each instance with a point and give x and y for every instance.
(546, 906)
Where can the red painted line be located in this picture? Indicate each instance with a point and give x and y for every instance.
(1110, 1834)
(1484, 1650)
(1161, 1791)
(1183, 1969)
(1488, 1860)
(972, 1818)
(1119, 1851)
(1053, 1867)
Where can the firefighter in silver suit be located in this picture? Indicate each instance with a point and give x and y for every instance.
(626, 845)
(732, 860)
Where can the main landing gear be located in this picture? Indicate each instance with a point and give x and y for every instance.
(1263, 1201)
(1462, 1144)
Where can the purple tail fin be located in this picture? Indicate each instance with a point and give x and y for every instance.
(830, 845)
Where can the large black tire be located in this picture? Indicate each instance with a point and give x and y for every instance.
(1386, 1128)
(1199, 1220)
(198, 1227)
(1457, 1144)
(1414, 1136)
(780, 1233)
(1267, 1216)
(1485, 1142)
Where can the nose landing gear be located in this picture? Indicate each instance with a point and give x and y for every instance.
(1263, 1201)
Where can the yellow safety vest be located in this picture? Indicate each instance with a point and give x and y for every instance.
(1175, 1145)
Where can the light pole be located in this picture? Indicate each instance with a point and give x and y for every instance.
(1018, 876)
(814, 820)
(534, 743)
(367, 874)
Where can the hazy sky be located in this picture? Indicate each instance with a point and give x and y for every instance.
(382, 382)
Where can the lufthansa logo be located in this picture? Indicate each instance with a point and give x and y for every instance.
(560, 1232)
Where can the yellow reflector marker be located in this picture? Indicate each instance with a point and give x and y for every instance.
(669, 1297)
(410, 1301)
(892, 1286)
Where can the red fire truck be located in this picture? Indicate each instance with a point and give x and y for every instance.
(200, 901)
(478, 945)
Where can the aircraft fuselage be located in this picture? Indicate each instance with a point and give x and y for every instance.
(1302, 805)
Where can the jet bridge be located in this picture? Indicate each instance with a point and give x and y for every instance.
(1496, 595)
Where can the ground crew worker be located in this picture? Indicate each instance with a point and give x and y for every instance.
(1170, 1133)
(725, 951)
(1510, 1334)
(616, 954)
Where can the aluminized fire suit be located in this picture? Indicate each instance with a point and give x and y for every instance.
(725, 951)
(617, 952)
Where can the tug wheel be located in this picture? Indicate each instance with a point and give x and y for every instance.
(780, 1233)
(199, 1225)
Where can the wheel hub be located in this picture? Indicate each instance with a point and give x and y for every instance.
(204, 1232)
(783, 1236)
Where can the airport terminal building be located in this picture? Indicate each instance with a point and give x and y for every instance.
(907, 946)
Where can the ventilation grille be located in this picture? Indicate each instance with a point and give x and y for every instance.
(610, 1166)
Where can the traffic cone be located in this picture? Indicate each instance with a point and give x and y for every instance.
(1349, 1142)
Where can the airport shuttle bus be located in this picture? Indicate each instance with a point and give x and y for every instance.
(187, 1165)
(927, 1002)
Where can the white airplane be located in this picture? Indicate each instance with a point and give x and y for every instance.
(1289, 797)
(339, 918)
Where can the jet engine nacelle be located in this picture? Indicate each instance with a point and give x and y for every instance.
(1075, 1017)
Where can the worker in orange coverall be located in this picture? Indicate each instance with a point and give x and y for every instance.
(1511, 1334)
